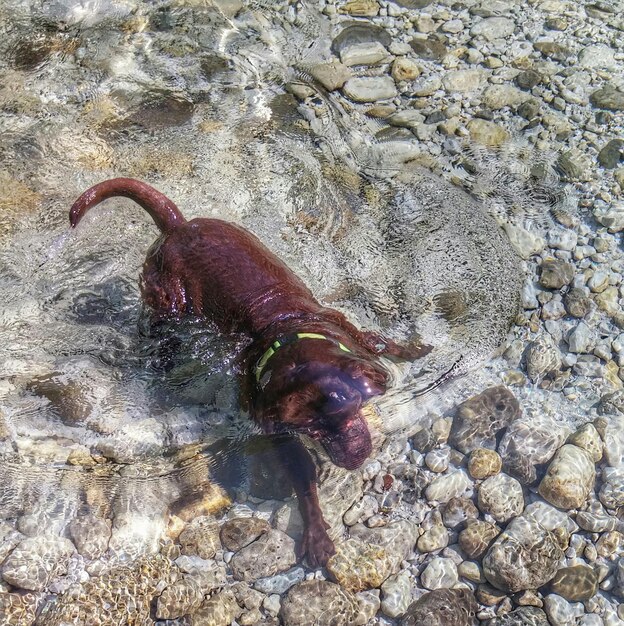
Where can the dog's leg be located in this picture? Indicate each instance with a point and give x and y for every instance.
(316, 544)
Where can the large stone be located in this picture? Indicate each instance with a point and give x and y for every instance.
(501, 496)
(370, 88)
(569, 479)
(358, 566)
(492, 28)
(118, 597)
(201, 537)
(576, 584)
(241, 531)
(91, 535)
(318, 603)
(608, 98)
(220, 610)
(448, 486)
(443, 607)
(273, 552)
(556, 273)
(530, 441)
(35, 562)
(179, 599)
(480, 418)
(477, 537)
(524, 556)
(396, 538)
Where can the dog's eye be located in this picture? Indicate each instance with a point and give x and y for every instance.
(337, 396)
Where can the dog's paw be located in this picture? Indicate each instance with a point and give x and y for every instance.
(316, 546)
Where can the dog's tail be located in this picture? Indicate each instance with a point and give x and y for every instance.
(164, 212)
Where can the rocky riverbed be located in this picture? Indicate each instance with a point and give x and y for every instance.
(503, 502)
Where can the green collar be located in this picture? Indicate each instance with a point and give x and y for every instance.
(283, 341)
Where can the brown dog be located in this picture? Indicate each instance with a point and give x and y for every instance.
(307, 370)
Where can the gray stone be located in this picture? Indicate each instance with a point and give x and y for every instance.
(493, 28)
(555, 274)
(608, 98)
(273, 552)
(501, 496)
(280, 583)
(332, 75)
(440, 573)
(91, 535)
(480, 418)
(524, 556)
(318, 603)
(396, 594)
(370, 88)
(35, 562)
(576, 584)
(443, 607)
(611, 154)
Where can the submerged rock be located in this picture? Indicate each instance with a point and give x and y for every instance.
(576, 584)
(358, 566)
(273, 552)
(477, 537)
(241, 531)
(118, 597)
(569, 479)
(318, 603)
(481, 417)
(525, 556)
(35, 562)
(501, 496)
(523, 616)
(443, 607)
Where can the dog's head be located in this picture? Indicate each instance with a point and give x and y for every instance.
(318, 390)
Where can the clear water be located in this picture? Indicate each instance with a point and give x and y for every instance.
(198, 103)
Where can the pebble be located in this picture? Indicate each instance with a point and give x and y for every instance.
(396, 594)
(404, 69)
(477, 537)
(36, 561)
(447, 486)
(441, 573)
(588, 438)
(569, 479)
(609, 98)
(493, 28)
(433, 539)
(611, 154)
(501, 496)
(459, 511)
(577, 303)
(318, 603)
(559, 611)
(273, 552)
(462, 81)
(487, 133)
(480, 418)
(369, 88)
(524, 556)
(332, 75)
(555, 274)
(581, 339)
(443, 607)
(370, 53)
(543, 358)
(438, 460)
(576, 584)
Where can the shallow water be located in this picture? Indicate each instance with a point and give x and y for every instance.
(199, 102)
